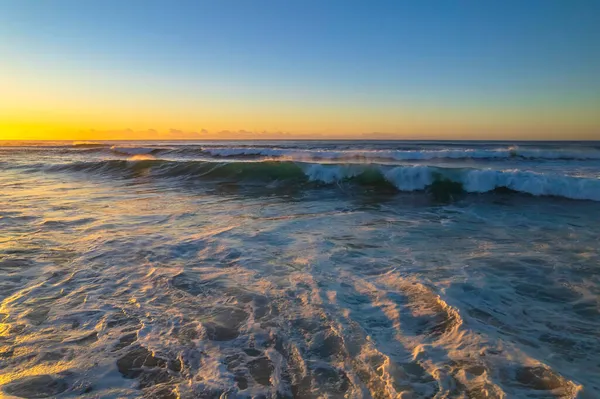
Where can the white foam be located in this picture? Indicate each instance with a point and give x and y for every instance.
(580, 154)
(532, 183)
(410, 178)
(419, 177)
(331, 173)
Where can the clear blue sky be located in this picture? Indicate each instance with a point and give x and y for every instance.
(303, 66)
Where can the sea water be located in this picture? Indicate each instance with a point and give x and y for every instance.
(300, 269)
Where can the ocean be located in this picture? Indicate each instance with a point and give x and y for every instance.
(300, 269)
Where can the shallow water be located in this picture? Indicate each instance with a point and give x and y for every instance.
(128, 277)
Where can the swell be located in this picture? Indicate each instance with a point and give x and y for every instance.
(442, 182)
(333, 154)
(364, 156)
(401, 155)
(89, 144)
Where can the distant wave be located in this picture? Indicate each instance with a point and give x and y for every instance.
(351, 155)
(404, 155)
(403, 178)
(121, 150)
(88, 144)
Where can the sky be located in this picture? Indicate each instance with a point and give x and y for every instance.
(148, 69)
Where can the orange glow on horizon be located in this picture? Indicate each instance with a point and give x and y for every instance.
(68, 133)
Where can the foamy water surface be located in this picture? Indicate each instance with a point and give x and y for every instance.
(299, 270)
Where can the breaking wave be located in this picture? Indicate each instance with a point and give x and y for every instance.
(402, 178)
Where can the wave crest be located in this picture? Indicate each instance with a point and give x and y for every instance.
(403, 178)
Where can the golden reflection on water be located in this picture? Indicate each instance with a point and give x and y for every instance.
(4, 329)
(171, 255)
(38, 369)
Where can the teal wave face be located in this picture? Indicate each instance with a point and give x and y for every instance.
(442, 183)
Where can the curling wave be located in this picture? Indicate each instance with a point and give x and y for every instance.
(402, 178)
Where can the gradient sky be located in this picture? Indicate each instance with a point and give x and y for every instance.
(144, 69)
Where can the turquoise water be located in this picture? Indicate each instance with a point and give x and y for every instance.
(300, 269)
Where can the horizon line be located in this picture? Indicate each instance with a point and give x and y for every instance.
(309, 139)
